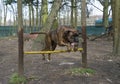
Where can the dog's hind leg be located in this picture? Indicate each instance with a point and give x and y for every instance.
(53, 46)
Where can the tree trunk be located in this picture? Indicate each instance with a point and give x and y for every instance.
(52, 16)
(68, 17)
(48, 25)
(37, 25)
(83, 25)
(105, 14)
(72, 1)
(116, 26)
(30, 16)
(75, 13)
(44, 11)
(20, 39)
(113, 16)
(0, 17)
(5, 14)
(14, 16)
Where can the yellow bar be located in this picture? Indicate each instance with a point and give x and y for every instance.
(47, 52)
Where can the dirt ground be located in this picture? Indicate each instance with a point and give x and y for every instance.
(107, 67)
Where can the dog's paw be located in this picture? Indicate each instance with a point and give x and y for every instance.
(48, 60)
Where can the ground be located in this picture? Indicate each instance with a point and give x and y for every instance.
(100, 59)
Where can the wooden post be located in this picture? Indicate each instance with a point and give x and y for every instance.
(20, 52)
(20, 39)
(83, 26)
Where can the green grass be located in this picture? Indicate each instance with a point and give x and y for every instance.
(17, 79)
(82, 71)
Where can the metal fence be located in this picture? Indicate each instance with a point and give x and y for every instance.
(12, 30)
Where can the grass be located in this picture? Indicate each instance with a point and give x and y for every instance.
(17, 79)
(82, 71)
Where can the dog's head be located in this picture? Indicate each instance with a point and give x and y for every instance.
(72, 37)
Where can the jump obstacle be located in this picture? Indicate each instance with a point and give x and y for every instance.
(50, 52)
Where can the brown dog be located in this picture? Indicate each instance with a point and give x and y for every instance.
(62, 36)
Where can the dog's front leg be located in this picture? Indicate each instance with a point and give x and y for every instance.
(68, 47)
(43, 57)
(49, 57)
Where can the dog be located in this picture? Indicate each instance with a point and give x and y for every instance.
(62, 36)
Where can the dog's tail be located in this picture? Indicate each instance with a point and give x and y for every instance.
(38, 33)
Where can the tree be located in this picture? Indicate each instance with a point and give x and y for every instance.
(30, 14)
(37, 2)
(116, 26)
(105, 13)
(83, 25)
(20, 38)
(5, 13)
(0, 17)
(6, 3)
(105, 4)
(74, 13)
(48, 24)
(44, 11)
(30, 4)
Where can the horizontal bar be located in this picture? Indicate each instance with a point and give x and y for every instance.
(48, 52)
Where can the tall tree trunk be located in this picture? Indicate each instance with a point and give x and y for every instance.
(52, 16)
(30, 15)
(105, 13)
(44, 11)
(37, 25)
(73, 13)
(59, 19)
(113, 17)
(14, 16)
(68, 17)
(116, 26)
(64, 19)
(48, 24)
(20, 39)
(83, 25)
(0, 17)
(5, 14)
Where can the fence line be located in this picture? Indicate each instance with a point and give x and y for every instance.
(12, 30)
